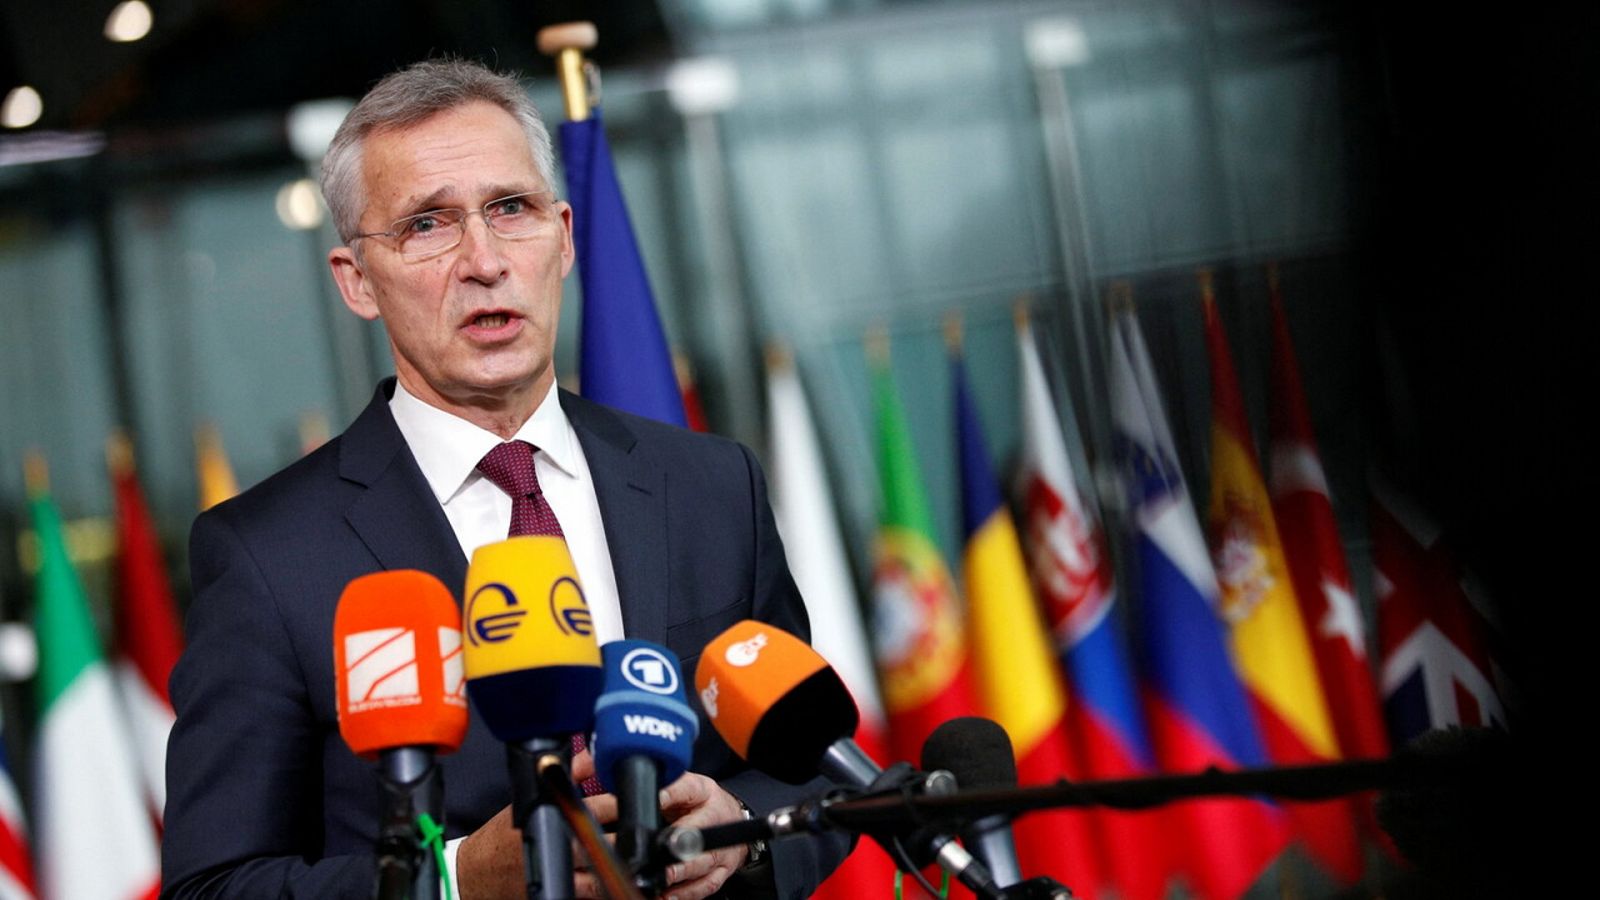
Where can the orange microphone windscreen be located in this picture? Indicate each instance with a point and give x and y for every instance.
(776, 701)
(397, 661)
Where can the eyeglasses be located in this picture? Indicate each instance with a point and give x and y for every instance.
(439, 230)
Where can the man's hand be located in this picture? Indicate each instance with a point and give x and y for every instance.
(695, 801)
(489, 861)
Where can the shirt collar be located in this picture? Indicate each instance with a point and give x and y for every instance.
(448, 448)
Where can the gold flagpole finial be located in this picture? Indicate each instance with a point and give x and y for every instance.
(778, 356)
(1272, 277)
(35, 473)
(119, 453)
(1020, 315)
(567, 43)
(1207, 282)
(952, 332)
(1119, 296)
(877, 341)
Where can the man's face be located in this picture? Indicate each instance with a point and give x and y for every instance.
(474, 327)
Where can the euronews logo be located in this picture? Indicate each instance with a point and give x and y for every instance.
(652, 726)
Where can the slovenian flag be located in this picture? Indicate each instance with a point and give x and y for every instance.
(1199, 715)
(623, 360)
(1073, 581)
(1014, 660)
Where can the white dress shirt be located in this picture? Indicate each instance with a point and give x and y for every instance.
(448, 448)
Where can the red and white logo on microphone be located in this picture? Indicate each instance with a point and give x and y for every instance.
(381, 669)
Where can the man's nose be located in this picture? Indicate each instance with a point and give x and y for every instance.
(480, 249)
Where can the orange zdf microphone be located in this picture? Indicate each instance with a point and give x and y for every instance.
(780, 706)
(533, 670)
(400, 695)
(783, 709)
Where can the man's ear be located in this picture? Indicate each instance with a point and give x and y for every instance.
(569, 253)
(354, 286)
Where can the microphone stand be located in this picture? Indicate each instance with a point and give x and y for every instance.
(555, 782)
(547, 856)
(411, 783)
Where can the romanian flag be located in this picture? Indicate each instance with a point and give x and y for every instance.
(920, 641)
(1265, 628)
(623, 360)
(148, 639)
(811, 540)
(1073, 582)
(1198, 713)
(1014, 660)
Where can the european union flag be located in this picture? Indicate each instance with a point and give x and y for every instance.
(623, 359)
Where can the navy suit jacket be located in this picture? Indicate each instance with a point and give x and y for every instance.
(265, 799)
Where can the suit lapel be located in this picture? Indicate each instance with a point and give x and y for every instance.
(397, 516)
(632, 493)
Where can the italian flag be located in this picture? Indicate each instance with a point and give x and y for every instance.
(95, 837)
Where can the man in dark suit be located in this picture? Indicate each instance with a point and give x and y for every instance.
(440, 185)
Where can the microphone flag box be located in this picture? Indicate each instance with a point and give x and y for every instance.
(642, 711)
(397, 658)
(532, 664)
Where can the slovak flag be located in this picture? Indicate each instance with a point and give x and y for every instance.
(16, 868)
(1437, 671)
(1199, 715)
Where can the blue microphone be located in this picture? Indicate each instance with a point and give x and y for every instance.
(644, 734)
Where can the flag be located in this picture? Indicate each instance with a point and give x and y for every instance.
(1014, 661)
(1197, 711)
(1437, 670)
(622, 350)
(920, 642)
(211, 465)
(148, 639)
(1310, 534)
(689, 389)
(16, 868)
(95, 836)
(1073, 582)
(1268, 635)
(811, 540)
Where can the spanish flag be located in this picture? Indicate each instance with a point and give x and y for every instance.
(1018, 680)
(918, 634)
(1265, 628)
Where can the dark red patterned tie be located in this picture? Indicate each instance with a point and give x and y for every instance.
(510, 467)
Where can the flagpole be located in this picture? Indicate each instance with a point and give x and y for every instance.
(567, 42)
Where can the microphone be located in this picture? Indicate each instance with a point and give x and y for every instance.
(978, 753)
(780, 706)
(533, 671)
(644, 733)
(397, 658)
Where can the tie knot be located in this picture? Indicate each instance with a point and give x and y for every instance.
(510, 467)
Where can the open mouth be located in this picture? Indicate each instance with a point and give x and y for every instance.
(491, 320)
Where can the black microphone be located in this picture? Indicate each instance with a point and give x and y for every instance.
(978, 753)
(780, 706)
